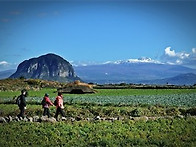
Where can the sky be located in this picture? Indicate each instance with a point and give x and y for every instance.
(98, 31)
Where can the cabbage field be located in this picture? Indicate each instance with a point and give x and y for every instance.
(165, 97)
(173, 124)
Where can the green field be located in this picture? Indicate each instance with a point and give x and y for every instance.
(160, 103)
(103, 92)
(176, 132)
(131, 97)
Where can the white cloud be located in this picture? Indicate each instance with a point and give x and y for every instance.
(83, 63)
(178, 61)
(182, 55)
(170, 52)
(4, 63)
(180, 58)
(194, 50)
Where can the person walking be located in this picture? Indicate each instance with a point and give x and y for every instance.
(46, 103)
(21, 101)
(59, 106)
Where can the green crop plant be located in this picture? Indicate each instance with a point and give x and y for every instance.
(163, 132)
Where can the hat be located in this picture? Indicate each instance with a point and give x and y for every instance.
(59, 93)
(24, 90)
(46, 94)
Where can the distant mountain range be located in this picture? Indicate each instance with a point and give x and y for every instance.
(146, 71)
(132, 71)
(7, 73)
(47, 67)
(182, 79)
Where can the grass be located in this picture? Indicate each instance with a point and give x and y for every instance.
(91, 111)
(163, 132)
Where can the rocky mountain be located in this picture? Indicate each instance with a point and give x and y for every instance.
(46, 67)
(129, 72)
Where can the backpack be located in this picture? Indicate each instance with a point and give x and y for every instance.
(43, 102)
(55, 102)
(18, 100)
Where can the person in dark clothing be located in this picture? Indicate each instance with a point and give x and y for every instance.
(59, 106)
(46, 104)
(22, 103)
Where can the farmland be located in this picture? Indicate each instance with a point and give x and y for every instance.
(177, 130)
(165, 97)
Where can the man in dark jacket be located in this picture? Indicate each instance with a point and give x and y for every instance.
(22, 104)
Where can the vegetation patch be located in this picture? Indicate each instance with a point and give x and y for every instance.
(29, 84)
(162, 132)
(118, 117)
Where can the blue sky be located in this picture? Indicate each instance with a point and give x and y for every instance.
(96, 31)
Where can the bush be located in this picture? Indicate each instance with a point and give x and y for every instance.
(136, 113)
(191, 111)
(173, 111)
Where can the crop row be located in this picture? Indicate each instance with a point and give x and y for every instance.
(102, 92)
(180, 100)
